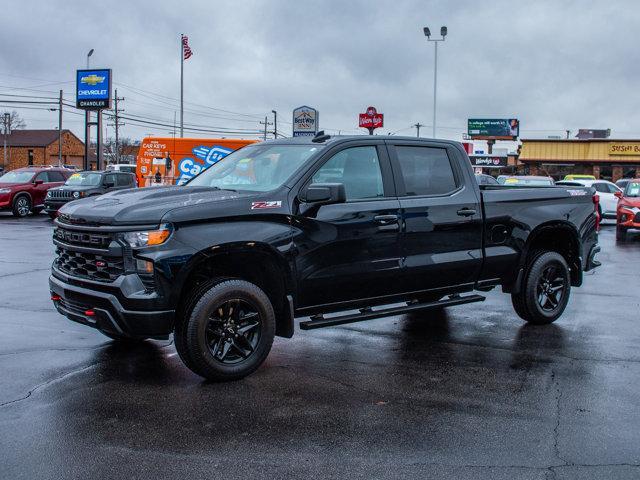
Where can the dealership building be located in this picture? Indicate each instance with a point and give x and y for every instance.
(604, 158)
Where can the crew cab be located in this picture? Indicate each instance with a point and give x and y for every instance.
(357, 227)
(86, 184)
(23, 190)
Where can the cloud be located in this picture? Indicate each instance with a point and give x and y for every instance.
(555, 65)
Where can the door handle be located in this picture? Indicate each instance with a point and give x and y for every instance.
(386, 219)
(466, 212)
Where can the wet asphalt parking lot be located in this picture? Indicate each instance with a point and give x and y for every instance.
(468, 393)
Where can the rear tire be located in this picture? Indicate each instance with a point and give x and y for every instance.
(545, 289)
(21, 206)
(621, 233)
(229, 331)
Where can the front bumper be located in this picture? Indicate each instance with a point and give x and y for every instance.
(52, 207)
(101, 306)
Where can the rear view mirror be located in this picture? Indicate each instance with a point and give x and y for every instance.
(323, 194)
(38, 182)
(618, 194)
(109, 184)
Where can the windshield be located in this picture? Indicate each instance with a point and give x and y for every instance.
(17, 177)
(632, 190)
(84, 179)
(257, 168)
(529, 181)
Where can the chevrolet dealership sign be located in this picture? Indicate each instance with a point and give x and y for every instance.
(93, 89)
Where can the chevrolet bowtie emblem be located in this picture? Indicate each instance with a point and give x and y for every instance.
(92, 79)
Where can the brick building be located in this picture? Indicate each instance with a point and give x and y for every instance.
(40, 147)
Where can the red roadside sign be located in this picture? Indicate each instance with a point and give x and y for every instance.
(371, 119)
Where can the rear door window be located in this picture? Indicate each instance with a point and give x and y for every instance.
(55, 176)
(109, 179)
(426, 170)
(124, 180)
(44, 176)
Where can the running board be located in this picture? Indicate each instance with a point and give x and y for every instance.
(318, 321)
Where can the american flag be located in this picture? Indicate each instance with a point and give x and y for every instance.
(186, 50)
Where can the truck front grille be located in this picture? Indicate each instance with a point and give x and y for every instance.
(83, 239)
(60, 194)
(102, 268)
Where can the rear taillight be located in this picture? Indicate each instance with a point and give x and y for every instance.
(596, 203)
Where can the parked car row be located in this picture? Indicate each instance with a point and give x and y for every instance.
(620, 200)
(33, 189)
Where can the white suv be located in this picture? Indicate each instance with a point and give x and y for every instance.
(605, 190)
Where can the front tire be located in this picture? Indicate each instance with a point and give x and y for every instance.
(21, 206)
(228, 333)
(545, 290)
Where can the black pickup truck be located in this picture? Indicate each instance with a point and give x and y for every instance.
(309, 227)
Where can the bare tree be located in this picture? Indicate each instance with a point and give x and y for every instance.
(124, 148)
(15, 121)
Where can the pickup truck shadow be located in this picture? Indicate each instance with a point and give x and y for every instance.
(143, 363)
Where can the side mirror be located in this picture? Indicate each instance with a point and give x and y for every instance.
(618, 194)
(323, 194)
(109, 184)
(38, 182)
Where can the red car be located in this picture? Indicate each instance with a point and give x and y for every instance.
(628, 212)
(23, 190)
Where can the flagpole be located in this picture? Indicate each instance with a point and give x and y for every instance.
(181, 85)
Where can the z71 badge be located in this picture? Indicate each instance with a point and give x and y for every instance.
(262, 205)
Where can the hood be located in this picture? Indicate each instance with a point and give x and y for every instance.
(632, 201)
(145, 206)
(76, 188)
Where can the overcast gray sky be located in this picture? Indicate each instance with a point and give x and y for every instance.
(556, 65)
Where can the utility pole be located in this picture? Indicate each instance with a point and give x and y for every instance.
(117, 124)
(265, 123)
(275, 123)
(60, 130)
(7, 119)
(418, 125)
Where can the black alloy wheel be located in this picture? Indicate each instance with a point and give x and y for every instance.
(233, 331)
(545, 290)
(551, 288)
(225, 329)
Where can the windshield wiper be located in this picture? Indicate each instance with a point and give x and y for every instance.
(225, 189)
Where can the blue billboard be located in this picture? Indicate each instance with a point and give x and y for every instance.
(93, 89)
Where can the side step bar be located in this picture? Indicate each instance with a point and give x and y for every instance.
(318, 321)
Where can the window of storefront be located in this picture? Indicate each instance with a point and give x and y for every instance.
(630, 171)
(606, 172)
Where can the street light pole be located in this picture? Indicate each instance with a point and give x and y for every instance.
(427, 33)
(88, 55)
(275, 123)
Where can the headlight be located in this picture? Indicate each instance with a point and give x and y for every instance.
(48, 193)
(76, 194)
(5, 190)
(151, 237)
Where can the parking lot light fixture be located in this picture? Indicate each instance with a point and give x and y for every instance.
(443, 34)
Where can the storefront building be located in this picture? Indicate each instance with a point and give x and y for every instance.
(603, 158)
